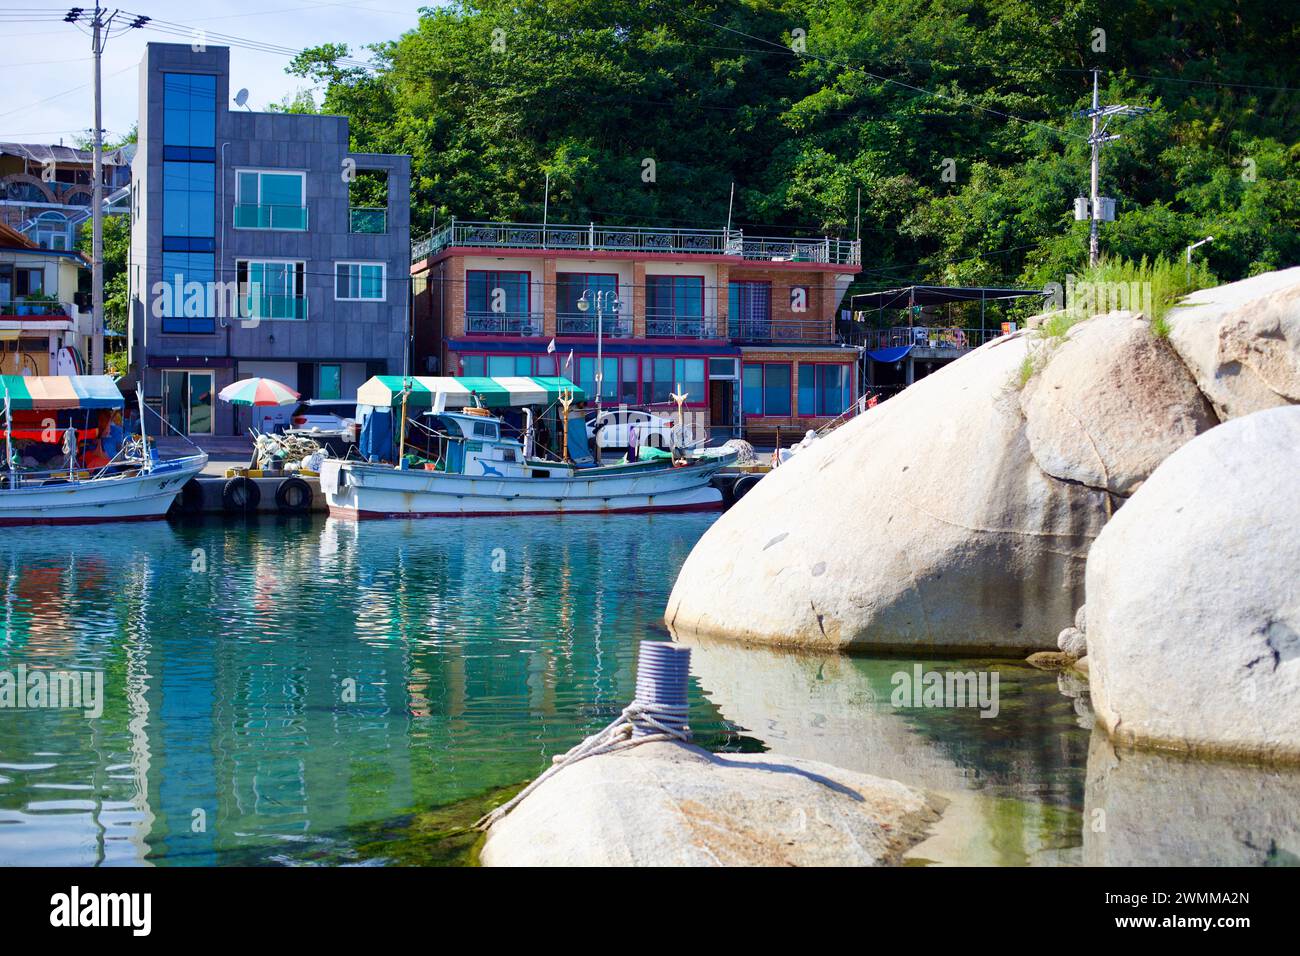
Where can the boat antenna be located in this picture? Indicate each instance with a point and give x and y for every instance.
(9, 440)
(144, 435)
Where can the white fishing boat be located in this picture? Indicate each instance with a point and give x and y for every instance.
(90, 485)
(470, 464)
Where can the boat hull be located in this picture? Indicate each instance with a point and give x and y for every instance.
(358, 490)
(141, 497)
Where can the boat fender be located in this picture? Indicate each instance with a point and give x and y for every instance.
(240, 494)
(293, 497)
(191, 498)
(743, 484)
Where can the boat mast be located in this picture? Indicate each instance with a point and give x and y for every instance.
(144, 436)
(9, 442)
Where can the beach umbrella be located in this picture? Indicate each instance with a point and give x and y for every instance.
(258, 391)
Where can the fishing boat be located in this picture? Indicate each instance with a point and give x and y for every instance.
(471, 460)
(103, 474)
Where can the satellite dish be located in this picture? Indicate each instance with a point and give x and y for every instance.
(241, 98)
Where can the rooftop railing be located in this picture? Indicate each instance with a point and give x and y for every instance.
(34, 309)
(782, 331)
(922, 337)
(634, 239)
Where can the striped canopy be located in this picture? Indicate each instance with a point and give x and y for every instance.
(27, 392)
(506, 392)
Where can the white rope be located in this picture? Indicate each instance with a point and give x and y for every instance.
(657, 722)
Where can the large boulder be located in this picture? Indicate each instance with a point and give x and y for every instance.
(957, 515)
(1193, 602)
(668, 804)
(1112, 402)
(1242, 342)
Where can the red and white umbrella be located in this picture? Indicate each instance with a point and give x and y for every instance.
(258, 391)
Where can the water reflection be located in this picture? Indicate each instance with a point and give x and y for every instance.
(270, 689)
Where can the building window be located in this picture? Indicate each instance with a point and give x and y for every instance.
(272, 289)
(189, 112)
(360, 281)
(185, 301)
(609, 380)
(504, 366)
(823, 389)
(749, 309)
(569, 289)
(674, 306)
(500, 292)
(330, 382)
(188, 190)
(765, 389)
(270, 199)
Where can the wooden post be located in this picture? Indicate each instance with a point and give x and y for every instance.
(566, 399)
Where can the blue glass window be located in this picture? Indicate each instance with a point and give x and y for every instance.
(483, 290)
(189, 109)
(187, 308)
(765, 389)
(188, 207)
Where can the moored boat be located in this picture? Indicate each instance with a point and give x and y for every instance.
(91, 485)
(472, 466)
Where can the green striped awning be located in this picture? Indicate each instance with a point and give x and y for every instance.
(505, 392)
(27, 392)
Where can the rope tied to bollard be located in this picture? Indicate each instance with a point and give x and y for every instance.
(639, 723)
(658, 712)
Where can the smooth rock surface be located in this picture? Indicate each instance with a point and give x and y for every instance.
(1241, 341)
(1111, 403)
(925, 522)
(1071, 641)
(667, 804)
(1194, 597)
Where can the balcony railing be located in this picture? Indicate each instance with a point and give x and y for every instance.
(264, 216)
(782, 331)
(369, 220)
(636, 240)
(34, 309)
(922, 337)
(680, 327)
(503, 323)
(584, 323)
(268, 306)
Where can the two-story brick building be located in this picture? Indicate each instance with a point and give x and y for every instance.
(251, 251)
(745, 325)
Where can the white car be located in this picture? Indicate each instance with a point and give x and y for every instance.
(617, 424)
(323, 418)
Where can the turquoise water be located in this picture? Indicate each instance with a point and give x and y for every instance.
(309, 690)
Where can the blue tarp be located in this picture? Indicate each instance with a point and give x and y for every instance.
(376, 441)
(889, 355)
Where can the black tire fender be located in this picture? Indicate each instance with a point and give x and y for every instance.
(240, 495)
(293, 497)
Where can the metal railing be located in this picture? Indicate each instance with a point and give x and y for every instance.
(270, 306)
(927, 337)
(584, 323)
(680, 326)
(503, 323)
(780, 331)
(369, 220)
(24, 308)
(265, 216)
(635, 239)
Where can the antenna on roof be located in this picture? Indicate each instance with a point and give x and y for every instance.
(241, 99)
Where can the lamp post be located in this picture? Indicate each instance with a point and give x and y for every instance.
(604, 299)
(1189, 255)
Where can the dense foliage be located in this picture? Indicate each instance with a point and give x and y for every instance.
(802, 105)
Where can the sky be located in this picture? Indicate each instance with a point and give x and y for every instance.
(48, 64)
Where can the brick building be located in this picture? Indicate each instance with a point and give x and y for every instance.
(745, 325)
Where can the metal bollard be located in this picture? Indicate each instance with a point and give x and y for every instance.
(661, 683)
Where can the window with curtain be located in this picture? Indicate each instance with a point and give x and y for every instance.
(823, 389)
(765, 389)
(674, 305)
(749, 309)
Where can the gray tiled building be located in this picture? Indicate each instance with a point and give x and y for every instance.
(258, 247)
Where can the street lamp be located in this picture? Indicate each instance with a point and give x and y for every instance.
(605, 299)
(1189, 254)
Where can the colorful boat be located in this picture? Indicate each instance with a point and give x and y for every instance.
(65, 413)
(467, 462)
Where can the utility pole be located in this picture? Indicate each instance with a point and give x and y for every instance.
(1097, 207)
(99, 27)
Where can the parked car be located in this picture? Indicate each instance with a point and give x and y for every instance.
(329, 421)
(618, 423)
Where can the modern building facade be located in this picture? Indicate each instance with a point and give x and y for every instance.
(744, 325)
(45, 321)
(251, 253)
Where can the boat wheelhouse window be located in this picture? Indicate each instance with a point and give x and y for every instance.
(485, 430)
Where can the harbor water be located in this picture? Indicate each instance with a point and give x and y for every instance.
(308, 691)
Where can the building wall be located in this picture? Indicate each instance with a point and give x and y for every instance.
(374, 333)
